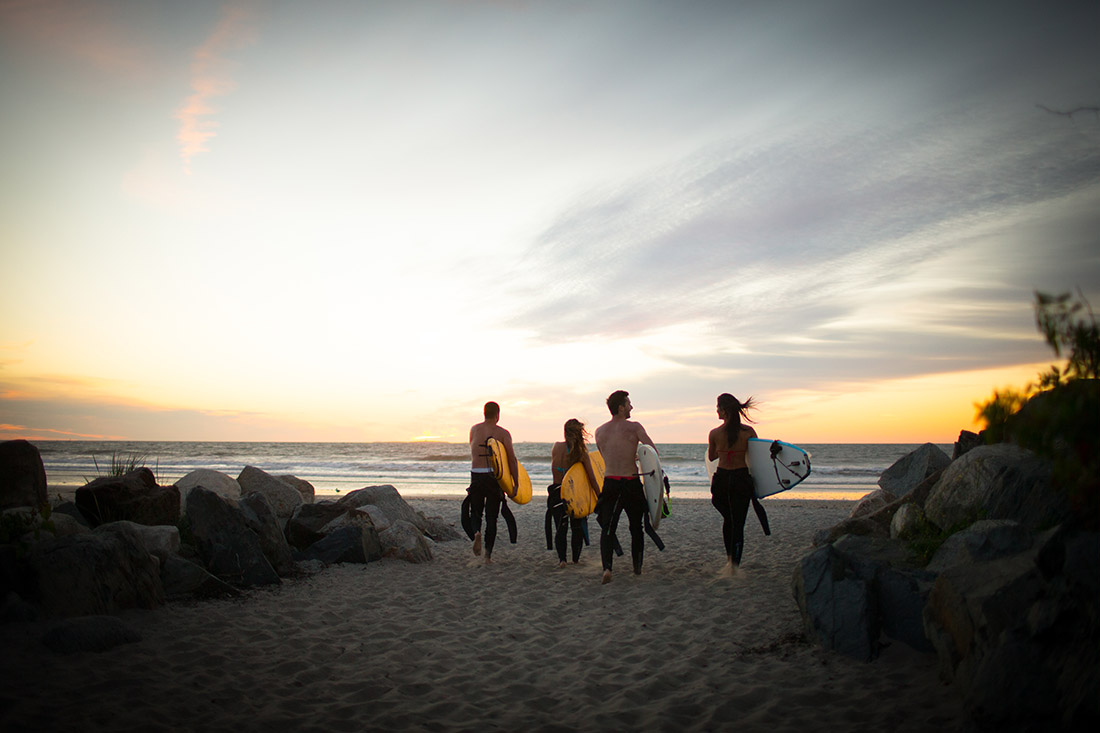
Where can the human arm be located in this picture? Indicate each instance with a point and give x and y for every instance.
(712, 446)
(587, 462)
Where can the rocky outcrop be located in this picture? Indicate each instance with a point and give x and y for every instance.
(404, 541)
(357, 543)
(1000, 481)
(135, 497)
(910, 470)
(283, 497)
(22, 475)
(228, 547)
(160, 541)
(388, 500)
(307, 523)
(221, 484)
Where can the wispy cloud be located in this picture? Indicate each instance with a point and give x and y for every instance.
(211, 77)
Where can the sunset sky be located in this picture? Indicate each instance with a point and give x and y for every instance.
(361, 220)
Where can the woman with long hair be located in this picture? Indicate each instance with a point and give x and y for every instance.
(563, 456)
(731, 488)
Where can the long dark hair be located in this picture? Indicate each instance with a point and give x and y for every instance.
(734, 408)
(575, 435)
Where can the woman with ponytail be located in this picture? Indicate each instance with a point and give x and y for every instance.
(563, 456)
(731, 489)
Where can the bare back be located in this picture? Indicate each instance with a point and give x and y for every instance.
(729, 456)
(479, 436)
(618, 441)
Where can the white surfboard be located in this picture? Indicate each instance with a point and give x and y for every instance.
(653, 481)
(771, 472)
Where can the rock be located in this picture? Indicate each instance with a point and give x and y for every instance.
(405, 542)
(65, 525)
(135, 497)
(184, 579)
(858, 588)
(860, 527)
(386, 498)
(221, 484)
(835, 605)
(910, 470)
(305, 526)
(440, 530)
(15, 609)
(377, 517)
(283, 497)
(261, 519)
(356, 543)
(988, 539)
(228, 548)
(95, 573)
(967, 441)
(160, 541)
(304, 487)
(1000, 481)
(1021, 649)
(70, 509)
(872, 502)
(908, 521)
(88, 634)
(22, 475)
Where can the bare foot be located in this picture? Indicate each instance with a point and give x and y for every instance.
(561, 564)
(488, 560)
(477, 543)
(606, 577)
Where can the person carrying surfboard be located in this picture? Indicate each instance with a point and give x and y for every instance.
(731, 488)
(485, 495)
(563, 456)
(617, 441)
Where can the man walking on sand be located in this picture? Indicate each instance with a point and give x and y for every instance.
(485, 494)
(617, 441)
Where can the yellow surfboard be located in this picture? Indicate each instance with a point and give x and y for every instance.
(577, 493)
(517, 491)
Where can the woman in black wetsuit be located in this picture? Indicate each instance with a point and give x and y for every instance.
(562, 456)
(731, 488)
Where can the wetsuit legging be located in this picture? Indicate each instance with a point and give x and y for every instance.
(485, 495)
(731, 493)
(563, 522)
(621, 493)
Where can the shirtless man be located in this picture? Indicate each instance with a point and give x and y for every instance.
(617, 441)
(485, 493)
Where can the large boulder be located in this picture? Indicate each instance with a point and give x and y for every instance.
(160, 541)
(357, 543)
(1000, 481)
(283, 497)
(261, 519)
(308, 520)
(135, 497)
(872, 502)
(228, 547)
(221, 484)
(388, 500)
(183, 579)
(852, 591)
(1019, 636)
(987, 539)
(22, 475)
(304, 487)
(911, 469)
(101, 572)
(404, 541)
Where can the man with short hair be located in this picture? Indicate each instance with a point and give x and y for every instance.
(617, 441)
(485, 494)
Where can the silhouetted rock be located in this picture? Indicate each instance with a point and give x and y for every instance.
(135, 497)
(221, 484)
(22, 475)
(283, 497)
(356, 543)
(228, 547)
(910, 470)
(967, 441)
(261, 519)
(404, 541)
(304, 487)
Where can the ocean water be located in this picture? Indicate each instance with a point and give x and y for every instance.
(839, 470)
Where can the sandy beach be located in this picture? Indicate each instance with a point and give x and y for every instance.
(518, 645)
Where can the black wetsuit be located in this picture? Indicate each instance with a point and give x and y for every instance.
(485, 496)
(618, 494)
(563, 522)
(730, 493)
